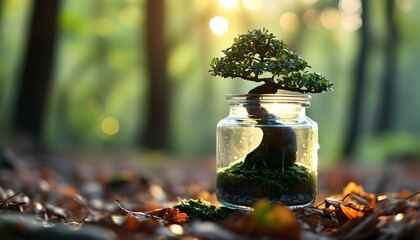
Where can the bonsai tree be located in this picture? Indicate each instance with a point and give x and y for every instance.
(257, 53)
(259, 57)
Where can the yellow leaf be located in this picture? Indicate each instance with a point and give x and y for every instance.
(272, 216)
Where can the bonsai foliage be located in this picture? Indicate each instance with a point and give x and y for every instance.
(258, 53)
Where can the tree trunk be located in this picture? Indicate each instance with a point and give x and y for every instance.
(388, 86)
(37, 68)
(1, 16)
(357, 95)
(278, 146)
(157, 122)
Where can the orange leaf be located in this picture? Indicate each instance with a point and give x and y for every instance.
(172, 215)
(353, 188)
(132, 223)
(351, 212)
(356, 202)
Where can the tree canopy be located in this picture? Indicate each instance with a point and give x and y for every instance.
(258, 52)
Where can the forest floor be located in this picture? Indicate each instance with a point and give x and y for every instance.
(132, 197)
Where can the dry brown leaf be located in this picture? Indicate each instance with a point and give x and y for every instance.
(351, 212)
(171, 215)
(316, 219)
(133, 224)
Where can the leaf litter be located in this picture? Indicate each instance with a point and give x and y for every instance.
(125, 204)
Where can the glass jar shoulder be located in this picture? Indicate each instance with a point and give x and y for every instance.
(304, 122)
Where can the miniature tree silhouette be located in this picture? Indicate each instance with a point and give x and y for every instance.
(254, 56)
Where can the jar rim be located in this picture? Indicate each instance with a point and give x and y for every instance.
(283, 98)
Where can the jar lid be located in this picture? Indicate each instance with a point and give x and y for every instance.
(258, 99)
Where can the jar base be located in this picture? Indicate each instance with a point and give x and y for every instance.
(249, 208)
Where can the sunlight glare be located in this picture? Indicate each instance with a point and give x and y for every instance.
(110, 125)
(218, 25)
(229, 3)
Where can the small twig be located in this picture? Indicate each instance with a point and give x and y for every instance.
(139, 215)
(344, 198)
(9, 198)
(4, 205)
(323, 202)
(413, 195)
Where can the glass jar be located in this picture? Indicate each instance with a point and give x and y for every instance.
(267, 148)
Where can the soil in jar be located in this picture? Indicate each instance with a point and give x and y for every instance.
(293, 185)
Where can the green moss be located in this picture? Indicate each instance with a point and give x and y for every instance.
(289, 176)
(271, 183)
(203, 210)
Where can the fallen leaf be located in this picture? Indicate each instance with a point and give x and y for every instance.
(353, 188)
(171, 215)
(266, 220)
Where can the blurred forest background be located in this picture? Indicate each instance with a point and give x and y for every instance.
(132, 75)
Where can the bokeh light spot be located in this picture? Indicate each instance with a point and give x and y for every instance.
(352, 23)
(110, 125)
(404, 5)
(350, 6)
(103, 27)
(289, 22)
(252, 4)
(176, 229)
(229, 3)
(309, 2)
(399, 217)
(219, 25)
(330, 18)
(129, 16)
(311, 18)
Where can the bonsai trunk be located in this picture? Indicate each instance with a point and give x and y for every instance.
(278, 146)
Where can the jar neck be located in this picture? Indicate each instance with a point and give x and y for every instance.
(268, 106)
